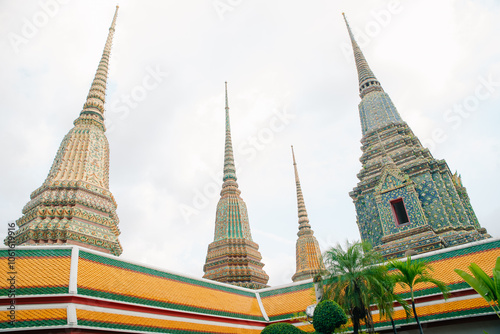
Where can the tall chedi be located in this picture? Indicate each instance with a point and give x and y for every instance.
(233, 257)
(309, 262)
(406, 200)
(74, 204)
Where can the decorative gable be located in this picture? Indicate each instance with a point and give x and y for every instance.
(391, 179)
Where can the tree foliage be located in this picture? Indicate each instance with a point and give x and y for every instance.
(328, 316)
(384, 297)
(488, 287)
(353, 279)
(410, 273)
(281, 328)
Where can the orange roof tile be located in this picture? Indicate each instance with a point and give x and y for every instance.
(120, 281)
(120, 321)
(40, 272)
(35, 315)
(443, 269)
(288, 303)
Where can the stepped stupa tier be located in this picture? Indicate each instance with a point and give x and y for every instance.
(74, 204)
(406, 200)
(309, 262)
(233, 257)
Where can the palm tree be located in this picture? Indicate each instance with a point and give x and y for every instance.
(352, 278)
(412, 273)
(488, 287)
(385, 297)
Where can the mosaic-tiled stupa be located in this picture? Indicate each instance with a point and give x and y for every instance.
(406, 200)
(233, 257)
(74, 204)
(309, 262)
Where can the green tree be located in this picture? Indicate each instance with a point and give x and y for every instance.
(385, 297)
(410, 273)
(352, 278)
(328, 316)
(281, 328)
(488, 287)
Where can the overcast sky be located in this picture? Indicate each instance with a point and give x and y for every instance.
(291, 81)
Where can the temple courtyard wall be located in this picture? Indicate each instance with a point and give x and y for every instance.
(69, 289)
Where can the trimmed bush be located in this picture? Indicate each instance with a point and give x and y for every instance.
(281, 328)
(328, 316)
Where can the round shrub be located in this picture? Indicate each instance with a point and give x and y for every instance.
(281, 328)
(328, 316)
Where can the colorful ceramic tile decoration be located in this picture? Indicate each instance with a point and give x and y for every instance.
(405, 199)
(69, 289)
(39, 271)
(74, 204)
(309, 262)
(233, 257)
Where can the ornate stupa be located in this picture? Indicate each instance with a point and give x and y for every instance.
(406, 200)
(74, 204)
(309, 262)
(233, 257)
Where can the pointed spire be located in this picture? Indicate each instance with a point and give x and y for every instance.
(233, 257)
(94, 105)
(229, 177)
(227, 103)
(304, 227)
(396, 176)
(367, 80)
(376, 109)
(81, 167)
(307, 251)
(457, 179)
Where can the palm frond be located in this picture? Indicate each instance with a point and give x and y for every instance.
(476, 284)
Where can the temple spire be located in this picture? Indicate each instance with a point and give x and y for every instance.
(304, 226)
(405, 200)
(367, 80)
(233, 257)
(74, 205)
(94, 105)
(307, 251)
(376, 109)
(229, 177)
